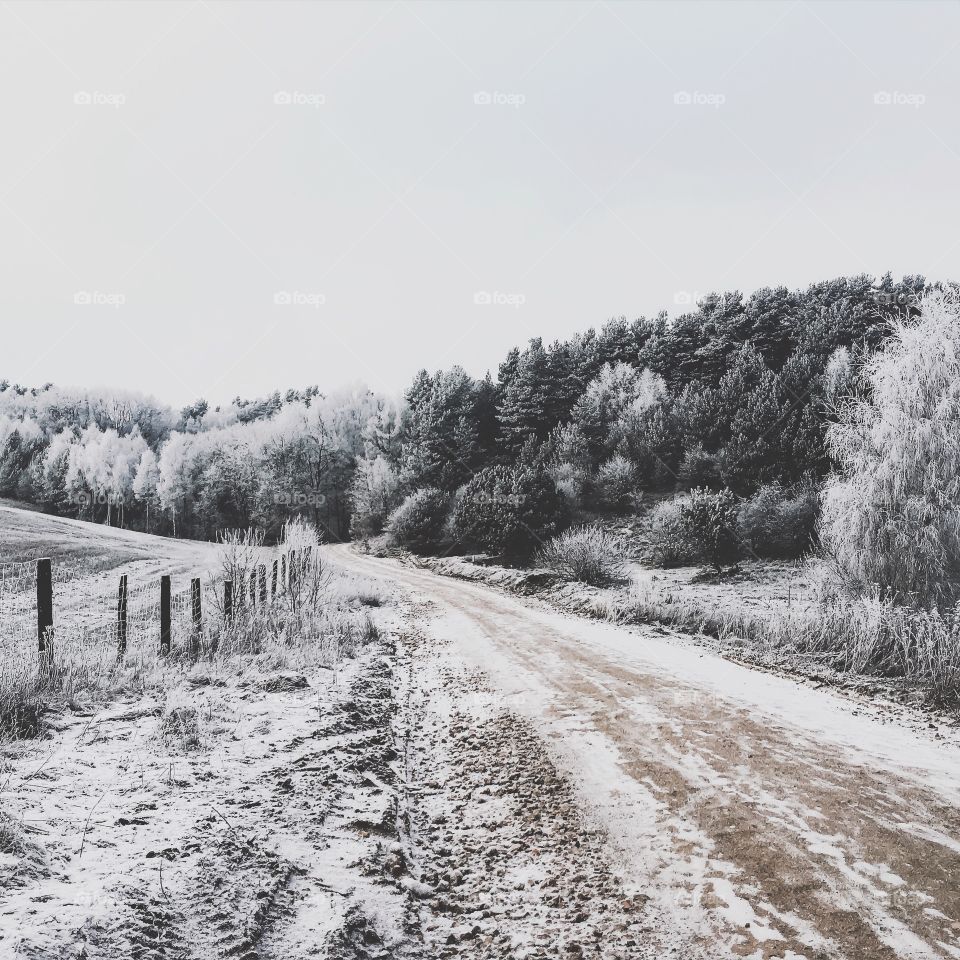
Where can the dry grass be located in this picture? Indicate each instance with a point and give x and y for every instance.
(22, 861)
(865, 636)
(588, 554)
(321, 618)
(181, 726)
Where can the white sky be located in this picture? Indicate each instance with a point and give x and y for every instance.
(399, 198)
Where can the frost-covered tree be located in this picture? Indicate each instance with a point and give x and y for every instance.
(568, 461)
(618, 393)
(616, 484)
(891, 516)
(145, 480)
(374, 494)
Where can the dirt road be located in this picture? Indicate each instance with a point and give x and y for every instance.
(753, 815)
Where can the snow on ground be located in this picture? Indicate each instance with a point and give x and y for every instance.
(247, 836)
(763, 817)
(493, 779)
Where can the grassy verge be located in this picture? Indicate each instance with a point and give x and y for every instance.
(320, 619)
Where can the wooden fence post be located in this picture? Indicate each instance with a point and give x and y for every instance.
(262, 570)
(44, 607)
(273, 580)
(196, 611)
(253, 588)
(122, 618)
(165, 613)
(307, 558)
(227, 600)
(292, 570)
(283, 572)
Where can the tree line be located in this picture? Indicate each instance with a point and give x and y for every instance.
(736, 393)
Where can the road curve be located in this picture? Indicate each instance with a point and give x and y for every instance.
(762, 817)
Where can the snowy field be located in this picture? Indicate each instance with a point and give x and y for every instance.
(482, 776)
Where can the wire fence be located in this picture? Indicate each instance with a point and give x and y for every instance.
(44, 607)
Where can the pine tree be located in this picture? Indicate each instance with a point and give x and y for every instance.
(525, 405)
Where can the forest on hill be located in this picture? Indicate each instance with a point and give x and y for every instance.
(736, 394)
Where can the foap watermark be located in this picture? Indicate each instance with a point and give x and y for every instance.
(97, 298)
(94, 498)
(495, 298)
(895, 98)
(97, 98)
(297, 98)
(299, 498)
(506, 499)
(495, 98)
(298, 298)
(687, 298)
(889, 299)
(697, 98)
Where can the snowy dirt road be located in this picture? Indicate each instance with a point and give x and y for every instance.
(725, 811)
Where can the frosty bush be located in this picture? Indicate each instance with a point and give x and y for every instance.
(778, 523)
(418, 523)
(668, 540)
(616, 484)
(510, 511)
(700, 467)
(588, 554)
(891, 516)
(699, 527)
(709, 523)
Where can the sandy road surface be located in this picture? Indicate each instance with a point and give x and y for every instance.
(762, 818)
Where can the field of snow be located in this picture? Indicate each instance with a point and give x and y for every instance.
(478, 776)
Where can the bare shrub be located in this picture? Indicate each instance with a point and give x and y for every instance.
(241, 551)
(588, 554)
(316, 616)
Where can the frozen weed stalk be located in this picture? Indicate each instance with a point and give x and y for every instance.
(313, 615)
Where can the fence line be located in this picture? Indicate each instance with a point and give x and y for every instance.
(37, 601)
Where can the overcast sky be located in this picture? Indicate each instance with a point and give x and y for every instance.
(257, 196)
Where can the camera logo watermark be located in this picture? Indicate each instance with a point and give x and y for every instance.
(84, 98)
(487, 98)
(495, 298)
(687, 298)
(97, 298)
(298, 298)
(297, 98)
(887, 98)
(697, 98)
